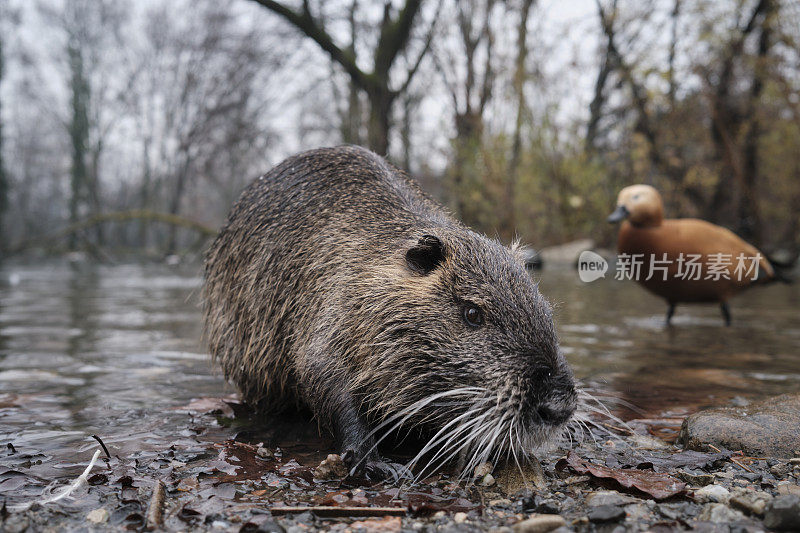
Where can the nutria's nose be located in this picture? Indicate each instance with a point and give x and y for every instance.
(548, 414)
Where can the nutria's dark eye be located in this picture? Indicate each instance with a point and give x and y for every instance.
(473, 316)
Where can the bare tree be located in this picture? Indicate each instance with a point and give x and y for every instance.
(468, 72)
(394, 38)
(197, 111)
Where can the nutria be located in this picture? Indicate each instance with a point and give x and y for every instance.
(337, 284)
(686, 260)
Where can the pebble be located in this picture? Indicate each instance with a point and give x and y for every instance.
(606, 513)
(637, 512)
(332, 467)
(487, 481)
(673, 511)
(264, 453)
(712, 493)
(751, 502)
(483, 469)
(780, 469)
(787, 487)
(98, 516)
(15, 523)
(646, 442)
(783, 513)
(609, 497)
(698, 480)
(270, 527)
(460, 518)
(719, 513)
(539, 524)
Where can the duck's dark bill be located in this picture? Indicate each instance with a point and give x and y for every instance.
(620, 213)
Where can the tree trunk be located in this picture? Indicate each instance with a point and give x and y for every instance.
(749, 214)
(3, 178)
(79, 136)
(380, 108)
(395, 34)
(175, 205)
(510, 223)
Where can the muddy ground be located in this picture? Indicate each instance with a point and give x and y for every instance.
(233, 471)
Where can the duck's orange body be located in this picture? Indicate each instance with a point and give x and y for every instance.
(693, 261)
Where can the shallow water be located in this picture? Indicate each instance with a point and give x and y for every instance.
(115, 351)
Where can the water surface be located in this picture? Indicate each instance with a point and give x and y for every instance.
(114, 350)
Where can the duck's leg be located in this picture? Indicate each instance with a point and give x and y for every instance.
(670, 312)
(726, 313)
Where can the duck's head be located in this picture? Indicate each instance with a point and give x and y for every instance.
(640, 204)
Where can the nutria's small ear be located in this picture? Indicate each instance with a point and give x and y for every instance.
(426, 255)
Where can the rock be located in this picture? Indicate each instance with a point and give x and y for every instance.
(751, 502)
(538, 504)
(609, 497)
(270, 527)
(487, 481)
(638, 512)
(539, 524)
(387, 524)
(738, 401)
(460, 518)
(98, 516)
(264, 453)
(511, 480)
(673, 511)
(565, 254)
(483, 469)
(331, 467)
(783, 513)
(15, 523)
(766, 428)
(606, 513)
(698, 480)
(787, 487)
(719, 513)
(712, 493)
(780, 470)
(646, 442)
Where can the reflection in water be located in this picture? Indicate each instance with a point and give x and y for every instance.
(109, 350)
(615, 337)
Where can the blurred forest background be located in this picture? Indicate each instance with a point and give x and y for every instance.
(132, 126)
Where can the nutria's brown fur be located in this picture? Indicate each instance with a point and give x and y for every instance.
(336, 283)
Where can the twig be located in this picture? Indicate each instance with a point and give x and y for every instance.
(329, 510)
(155, 509)
(622, 430)
(75, 484)
(734, 461)
(95, 437)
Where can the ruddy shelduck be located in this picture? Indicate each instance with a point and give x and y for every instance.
(684, 260)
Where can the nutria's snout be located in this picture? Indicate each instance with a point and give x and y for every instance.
(553, 398)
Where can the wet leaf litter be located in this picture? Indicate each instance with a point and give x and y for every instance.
(243, 484)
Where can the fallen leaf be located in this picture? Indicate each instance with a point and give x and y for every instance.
(207, 405)
(659, 486)
(682, 459)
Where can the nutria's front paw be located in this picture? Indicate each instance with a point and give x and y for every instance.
(380, 470)
(374, 468)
